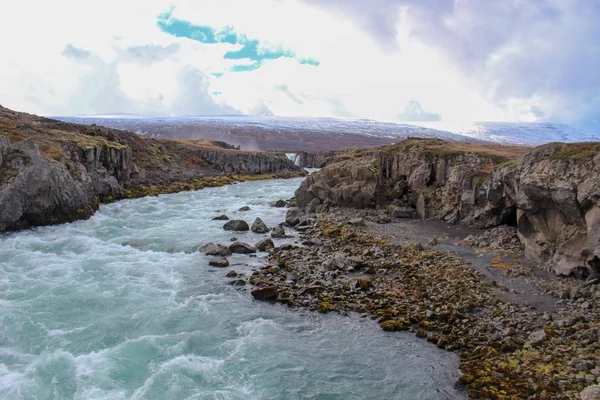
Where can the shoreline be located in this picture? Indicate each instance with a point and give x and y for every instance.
(518, 335)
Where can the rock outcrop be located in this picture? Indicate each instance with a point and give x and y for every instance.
(53, 172)
(551, 193)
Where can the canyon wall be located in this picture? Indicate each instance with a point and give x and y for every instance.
(551, 193)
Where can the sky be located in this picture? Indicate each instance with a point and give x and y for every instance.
(392, 60)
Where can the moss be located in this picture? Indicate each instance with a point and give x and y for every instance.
(576, 151)
(325, 307)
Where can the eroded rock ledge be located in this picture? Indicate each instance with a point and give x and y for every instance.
(53, 172)
(551, 193)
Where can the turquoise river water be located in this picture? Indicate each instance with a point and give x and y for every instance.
(122, 306)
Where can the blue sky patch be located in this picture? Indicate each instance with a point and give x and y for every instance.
(249, 49)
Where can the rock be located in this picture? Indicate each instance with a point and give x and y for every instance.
(357, 222)
(232, 274)
(244, 209)
(221, 218)
(590, 393)
(537, 337)
(402, 212)
(292, 217)
(265, 294)
(220, 262)
(212, 249)
(242, 248)
(265, 245)
(236, 225)
(280, 203)
(278, 232)
(433, 241)
(238, 282)
(259, 226)
(312, 206)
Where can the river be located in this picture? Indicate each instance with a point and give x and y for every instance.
(122, 306)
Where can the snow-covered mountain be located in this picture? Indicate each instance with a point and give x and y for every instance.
(314, 134)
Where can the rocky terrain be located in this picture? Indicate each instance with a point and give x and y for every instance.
(550, 193)
(53, 172)
(518, 336)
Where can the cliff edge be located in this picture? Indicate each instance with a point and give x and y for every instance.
(53, 172)
(551, 193)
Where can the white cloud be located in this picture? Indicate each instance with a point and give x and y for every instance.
(127, 64)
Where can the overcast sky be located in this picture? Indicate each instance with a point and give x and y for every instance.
(395, 60)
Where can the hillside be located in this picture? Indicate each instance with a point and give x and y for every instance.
(53, 171)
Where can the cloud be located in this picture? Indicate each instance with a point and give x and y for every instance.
(255, 52)
(149, 53)
(261, 109)
(413, 112)
(286, 90)
(76, 53)
(531, 57)
(193, 96)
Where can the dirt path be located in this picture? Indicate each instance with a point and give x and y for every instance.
(522, 290)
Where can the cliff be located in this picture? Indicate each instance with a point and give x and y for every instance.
(551, 193)
(53, 172)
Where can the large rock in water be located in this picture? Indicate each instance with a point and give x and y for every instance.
(259, 226)
(242, 248)
(212, 249)
(265, 245)
(265, 294)
(220, 262)
(279, 232)
(292, 217)
(236, 225)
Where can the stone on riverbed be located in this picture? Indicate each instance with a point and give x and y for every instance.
(278, 232)
(212, 249)
(265, 294)
(242, 248)
(265, 245)
(237, 225)
(220, 262)
(292, 217)
(221, 218)
(259, 226)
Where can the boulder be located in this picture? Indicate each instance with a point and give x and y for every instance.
(220, 262)
(259, 226)
(265, 294)
(278, 232)
(221, 218)
(242, 248)
(590, 393)
(212, 249)
(313, 205)
(236, 225)
(244, 209)
(280, 203)
(402, 212)
(292, 217)
(232, 274)
(265, 245)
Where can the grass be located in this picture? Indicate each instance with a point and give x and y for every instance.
(435, 149)
(576, 151)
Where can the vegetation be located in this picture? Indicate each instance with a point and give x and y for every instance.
(576, 151)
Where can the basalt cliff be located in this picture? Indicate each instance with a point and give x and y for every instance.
(53, 172)
(551, 193)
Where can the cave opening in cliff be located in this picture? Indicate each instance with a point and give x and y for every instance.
(510, 217)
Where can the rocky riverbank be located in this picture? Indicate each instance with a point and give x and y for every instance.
(550, 193)
(538, 348)
(53, 172)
